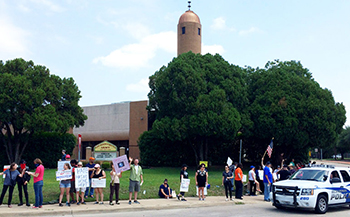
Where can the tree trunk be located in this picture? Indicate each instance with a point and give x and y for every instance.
(201, 151)
(206, 149)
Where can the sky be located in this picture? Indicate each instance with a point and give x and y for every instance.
(111, 47)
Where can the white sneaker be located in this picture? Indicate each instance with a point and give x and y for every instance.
(232, 199)
(226, 199)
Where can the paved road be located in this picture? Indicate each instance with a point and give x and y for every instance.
(262, 209)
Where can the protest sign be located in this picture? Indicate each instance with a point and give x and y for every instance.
(121, 164)
(184, 185)
(244, 178)
(229, 161)
(60, 165)
(81, 177)
(98, 183)
(63, 175)
(6, 167)
(205, 191)
(204, 162)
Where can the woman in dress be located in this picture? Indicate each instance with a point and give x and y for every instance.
(201, 181)
(38, 183)
(65, 185)
(114, 186)
(9, 183)
(98, 174)
(227, 176)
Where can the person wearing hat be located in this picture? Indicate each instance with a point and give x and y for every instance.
(164, 190)
(90, 167)
(268, 180)
(183, 175)
(252, 181)
(98, 173)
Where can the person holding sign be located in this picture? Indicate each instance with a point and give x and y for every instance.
(65, 185)
(227, 176)
(98, 174)
(38, 183)
(81, 190)
(183, 175)
(114, 186)
(239, 181)
(10, 182)
(135, 178)
(201, 181)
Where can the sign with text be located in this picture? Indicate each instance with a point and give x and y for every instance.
(105, 156)
(98, 183)
(63, 175)
(60, 165)
(121, 164)
(204, 162)
(105, 147)
(185, 184)
(81, 177)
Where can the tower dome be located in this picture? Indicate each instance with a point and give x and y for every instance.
(189, 33)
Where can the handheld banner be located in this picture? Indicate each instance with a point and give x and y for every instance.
(81, 177)
(185, 185)
(63, 175)
(60, 165)
(97, 183)
(121, 164)
(229, 161)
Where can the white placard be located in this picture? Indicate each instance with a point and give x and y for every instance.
(6, 167)
(244, 178)
(185, 185)
(98, 183)
(229, 161)
(261, 175)
(60, 165)
(81, 177)
(205, 191)
(63, 175)
(121, 164)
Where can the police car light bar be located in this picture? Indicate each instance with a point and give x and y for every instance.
(323, 165)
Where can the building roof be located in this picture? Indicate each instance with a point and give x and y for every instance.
(189, 16)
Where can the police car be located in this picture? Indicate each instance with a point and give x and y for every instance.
(316, 187)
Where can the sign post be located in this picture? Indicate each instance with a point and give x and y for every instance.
(79, 146)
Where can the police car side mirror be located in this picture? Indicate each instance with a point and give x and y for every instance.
(325, 177)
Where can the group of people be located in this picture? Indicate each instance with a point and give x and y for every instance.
(20, 176)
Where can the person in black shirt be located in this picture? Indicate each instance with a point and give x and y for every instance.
(227, 176)
(284, 173)
(164, 190)
(22, 182)
(183, 175)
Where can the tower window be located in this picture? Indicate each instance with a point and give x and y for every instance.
(199, 31)
(183, 30)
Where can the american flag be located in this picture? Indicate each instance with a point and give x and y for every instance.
(270, 148)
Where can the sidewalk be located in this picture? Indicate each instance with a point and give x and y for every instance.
(147, 204)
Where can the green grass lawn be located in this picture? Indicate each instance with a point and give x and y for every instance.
(153, 178)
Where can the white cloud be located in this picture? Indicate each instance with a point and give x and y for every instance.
(212, 49)
(13, 40)
(139, 87)
(49, 4)
(138, 55)
(249, 31)
(219, 23)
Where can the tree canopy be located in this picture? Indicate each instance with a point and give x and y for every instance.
(33, 100)
(343, 143)
(196, 100)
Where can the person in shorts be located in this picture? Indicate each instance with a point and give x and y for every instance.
(81, 190)
(135, 178)
(65, 186)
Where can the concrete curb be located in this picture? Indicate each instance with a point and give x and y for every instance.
(149, 204)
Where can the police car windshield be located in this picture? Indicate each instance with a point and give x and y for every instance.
(310, 175)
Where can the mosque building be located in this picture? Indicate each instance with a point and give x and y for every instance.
(114, 129)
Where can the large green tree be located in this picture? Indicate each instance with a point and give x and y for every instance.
(343, 144)
(286, 103)
(196, 100)
(33, 100)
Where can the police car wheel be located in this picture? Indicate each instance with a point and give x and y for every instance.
(321, 205)
(279, 207)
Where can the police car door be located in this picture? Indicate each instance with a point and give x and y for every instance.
(346, 180)
(337, 187)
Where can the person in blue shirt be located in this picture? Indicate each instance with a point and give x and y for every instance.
(9, 183)
(268, 180)
(164, 190)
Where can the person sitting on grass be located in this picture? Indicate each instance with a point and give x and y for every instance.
(164, 190)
